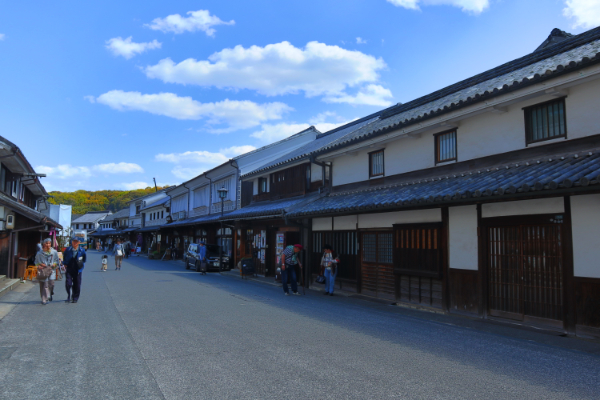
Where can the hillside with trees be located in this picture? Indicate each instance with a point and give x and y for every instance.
(84, 201)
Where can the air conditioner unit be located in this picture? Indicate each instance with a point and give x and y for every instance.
(182, 214)
(175, 216)
(10, 221)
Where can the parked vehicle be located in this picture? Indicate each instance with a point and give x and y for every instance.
(192, 259)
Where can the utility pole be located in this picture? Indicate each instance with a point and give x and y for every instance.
(155, 188)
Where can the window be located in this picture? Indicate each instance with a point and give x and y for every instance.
(262, 185)
(445, 146)
(545, 121)
(77, 226)
(162, 214)
(137, 210)
(376, 163)
(418, 250)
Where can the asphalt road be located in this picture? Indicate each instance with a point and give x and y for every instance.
(155, 330)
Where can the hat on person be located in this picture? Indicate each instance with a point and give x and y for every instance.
(75, 238)
(299, 246)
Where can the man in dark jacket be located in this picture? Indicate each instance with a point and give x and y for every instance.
(74, 259)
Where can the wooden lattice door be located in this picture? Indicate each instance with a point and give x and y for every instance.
(377, 270)
(525, 271)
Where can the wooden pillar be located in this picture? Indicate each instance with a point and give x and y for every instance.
(481, 265)
(569, 306)
(445, 260)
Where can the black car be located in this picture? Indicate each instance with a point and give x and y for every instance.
(192, 259)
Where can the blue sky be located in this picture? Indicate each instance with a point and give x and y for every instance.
(109, 94)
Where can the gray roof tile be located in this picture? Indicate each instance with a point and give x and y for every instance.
(568, 55)
(533, 177)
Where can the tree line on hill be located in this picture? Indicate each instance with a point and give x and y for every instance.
(84, 201)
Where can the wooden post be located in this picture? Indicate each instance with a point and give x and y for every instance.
(569, 306)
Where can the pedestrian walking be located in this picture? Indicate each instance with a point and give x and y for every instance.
(104, 266)
(127, 247)
(202, 256)
(74, 258)
(329, 268)
(118, 251)
(289, 261)
(46, 260)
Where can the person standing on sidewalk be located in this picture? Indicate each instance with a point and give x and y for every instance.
(289, 261)
(75, 258)
(118, 252)
(329, 264)
(47, 257)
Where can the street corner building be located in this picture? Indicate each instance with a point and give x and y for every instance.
(24, 211)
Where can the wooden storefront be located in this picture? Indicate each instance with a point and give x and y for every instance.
(525, 270)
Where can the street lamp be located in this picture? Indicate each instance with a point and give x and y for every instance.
(222, 195)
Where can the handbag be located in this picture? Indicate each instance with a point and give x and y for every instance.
(119, 253)
(320, 279)
(44, 273)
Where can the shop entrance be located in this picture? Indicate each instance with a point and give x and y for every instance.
(525, 271)
(377, 270)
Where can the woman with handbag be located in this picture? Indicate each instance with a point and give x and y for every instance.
(118, 252)
(46, 261)
(329, 263)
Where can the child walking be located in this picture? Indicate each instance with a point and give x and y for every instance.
(104, 263)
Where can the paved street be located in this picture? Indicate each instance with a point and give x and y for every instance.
(155, 330)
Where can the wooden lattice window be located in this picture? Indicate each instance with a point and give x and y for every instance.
(445, 146)
(545, 121)
(369, 247)
(418, 250)
(376, 167)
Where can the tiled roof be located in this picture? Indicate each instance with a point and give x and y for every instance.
(567, 56)
(311, 147)
(533, 177)
(194, 220)
(156, 203)
(91, 217)
(119, 214)
(269, 208)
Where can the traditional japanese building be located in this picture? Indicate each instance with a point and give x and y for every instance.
(481, 198)
(22, 203)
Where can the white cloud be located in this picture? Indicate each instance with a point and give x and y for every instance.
(91, 99)
(64, 171)
(584, 13)
(120, 168)
(273, 132)
(2, 36)
(199, 157)
(236, 114)
(359, 40)
(200, 20)
(126, 48)
(235, 151)
(134, 185)
(373, 95)
(473, 6)
(276, 69)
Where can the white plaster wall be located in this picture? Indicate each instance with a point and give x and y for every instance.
(478, 136)
(524, 207)
(345, 223)
(321, 224)
(585, 215)
(386, 220)
(348, 169)
(582, 110)
(462, 239)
